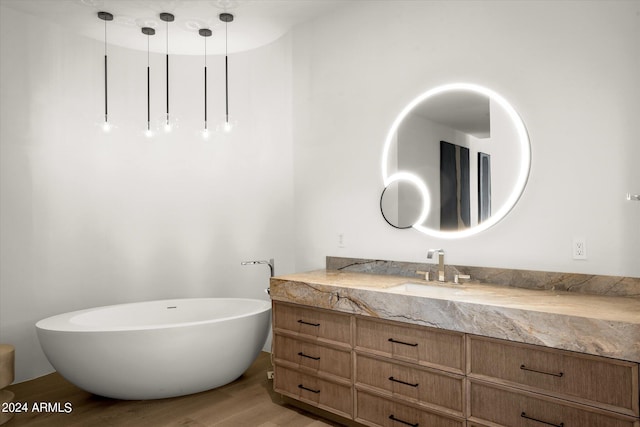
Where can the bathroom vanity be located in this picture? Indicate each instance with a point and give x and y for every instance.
(374, 350)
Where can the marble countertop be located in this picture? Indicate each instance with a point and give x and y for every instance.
(600, 325)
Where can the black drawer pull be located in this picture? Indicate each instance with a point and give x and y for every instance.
(402, 382)
(308, 389)
(524, 368)
(524, 415)
(398, 420)
(403, 343)
(307, 356)
(307, 323)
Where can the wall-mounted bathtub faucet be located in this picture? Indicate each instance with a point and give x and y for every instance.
(440, 253)
(270, 263)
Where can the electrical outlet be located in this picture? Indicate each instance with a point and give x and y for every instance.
(341, 243)
(579, 248)
(270, 375)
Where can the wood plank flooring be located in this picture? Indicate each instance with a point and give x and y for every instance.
(247, 402)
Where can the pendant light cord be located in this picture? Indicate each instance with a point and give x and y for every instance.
(148, 31)
(205, 32)
(226, 18)
(148, 89)
(205, 83)
(226, 70)
(105, 16)
(167, 39)
(106, 114)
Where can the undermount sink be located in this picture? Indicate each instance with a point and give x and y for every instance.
(420, 288)
(436, 289)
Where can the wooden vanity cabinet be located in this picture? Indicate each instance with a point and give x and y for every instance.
(373, 410)
(425, 387)
(591, 380)
(311, 389)
(387, 373)
(312, 357)
(419, 345)
(522, 385)
(324, 326)
(498, 405)
(414, 373)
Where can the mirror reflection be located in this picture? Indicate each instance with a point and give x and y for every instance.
(470, 150)
(398, 194)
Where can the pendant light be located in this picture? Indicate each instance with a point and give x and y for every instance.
(167, 17)
(205, 32)
(148, 31)
(105, 16)
(226, 18)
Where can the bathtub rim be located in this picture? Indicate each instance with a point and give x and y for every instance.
(63, 322)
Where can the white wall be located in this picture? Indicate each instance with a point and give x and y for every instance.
(571, 69)
(90, 219)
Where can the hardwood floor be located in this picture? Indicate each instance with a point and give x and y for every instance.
(247, 402)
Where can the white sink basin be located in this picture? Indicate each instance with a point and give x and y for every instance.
(438, 290)
(421, 288)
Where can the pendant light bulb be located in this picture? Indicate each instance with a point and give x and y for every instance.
(106, 126)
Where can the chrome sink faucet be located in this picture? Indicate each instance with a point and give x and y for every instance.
(440, 253)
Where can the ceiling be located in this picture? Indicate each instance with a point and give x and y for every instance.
(256, 23)
(465, 111)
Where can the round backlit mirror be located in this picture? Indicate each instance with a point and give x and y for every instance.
(455, 162)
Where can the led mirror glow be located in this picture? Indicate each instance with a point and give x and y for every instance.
(520, 157)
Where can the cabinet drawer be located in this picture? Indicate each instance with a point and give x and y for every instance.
(306, 355)
(610, 383)
(507, 407)
(421, 385)
(376, 411)
(323, 394)
(311, 322)
(416, 344)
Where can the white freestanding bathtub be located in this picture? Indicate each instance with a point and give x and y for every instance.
(156, 349)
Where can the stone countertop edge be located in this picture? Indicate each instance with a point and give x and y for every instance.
(598, 325)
